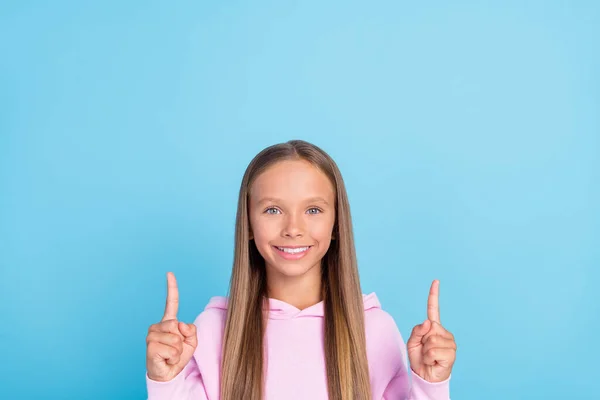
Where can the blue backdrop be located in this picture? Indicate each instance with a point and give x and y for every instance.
(468, 136)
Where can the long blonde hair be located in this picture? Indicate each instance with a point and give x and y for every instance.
(344, 332)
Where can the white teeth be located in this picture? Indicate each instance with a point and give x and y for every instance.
(293, 251)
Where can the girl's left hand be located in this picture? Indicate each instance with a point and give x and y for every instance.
(431, 348)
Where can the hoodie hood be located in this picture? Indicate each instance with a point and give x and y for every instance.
(279, 309)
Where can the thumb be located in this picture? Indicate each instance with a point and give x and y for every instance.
(185, 329)
(418, 332)
(189, 333)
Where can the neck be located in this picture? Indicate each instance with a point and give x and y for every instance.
(298, 291)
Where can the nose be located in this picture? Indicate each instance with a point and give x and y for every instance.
(294, 226)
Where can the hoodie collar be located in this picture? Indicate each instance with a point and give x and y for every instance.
(279, 309)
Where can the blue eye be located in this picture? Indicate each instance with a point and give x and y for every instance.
(314, 208)
(267, 211)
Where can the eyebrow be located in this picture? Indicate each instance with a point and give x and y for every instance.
(309, 200)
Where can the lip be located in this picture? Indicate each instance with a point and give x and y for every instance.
(288, 256)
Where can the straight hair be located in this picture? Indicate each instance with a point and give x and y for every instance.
(243, 360)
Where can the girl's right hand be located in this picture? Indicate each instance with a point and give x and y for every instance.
(170, 344)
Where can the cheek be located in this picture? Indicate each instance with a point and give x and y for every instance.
(322, 230)
(263, 231)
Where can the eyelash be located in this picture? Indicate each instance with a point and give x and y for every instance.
(312, 208)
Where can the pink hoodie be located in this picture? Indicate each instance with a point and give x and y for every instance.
(296, 361)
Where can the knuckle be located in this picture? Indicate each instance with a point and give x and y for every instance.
(151, 347)
(149, 337)
(167, 324)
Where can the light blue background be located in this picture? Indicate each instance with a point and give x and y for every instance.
(468, 135)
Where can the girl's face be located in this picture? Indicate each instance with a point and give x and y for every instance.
(291, 218)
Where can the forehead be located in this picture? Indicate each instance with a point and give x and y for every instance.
(292, 180)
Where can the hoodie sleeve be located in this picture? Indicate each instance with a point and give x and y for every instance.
(405, 384)
(199, 379)
(186, 385)
(399, 388)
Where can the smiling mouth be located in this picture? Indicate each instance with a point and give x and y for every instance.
(293, 250)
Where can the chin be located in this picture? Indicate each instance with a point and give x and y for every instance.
(291, 269)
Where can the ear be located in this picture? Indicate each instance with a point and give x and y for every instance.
(251, 235)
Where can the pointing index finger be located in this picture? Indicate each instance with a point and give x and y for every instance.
(433, 306)
(172, 304)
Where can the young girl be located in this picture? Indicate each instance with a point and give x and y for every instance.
(296, 324)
